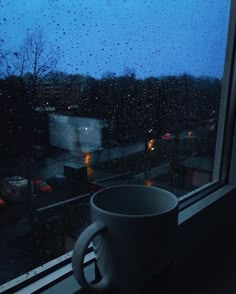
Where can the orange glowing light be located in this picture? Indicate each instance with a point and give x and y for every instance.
(150, 144)
(87, 158)
(148, 183)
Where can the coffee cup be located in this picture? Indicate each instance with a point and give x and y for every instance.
(133, 230)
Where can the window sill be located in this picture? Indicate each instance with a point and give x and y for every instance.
(195, 223)
(200, 205)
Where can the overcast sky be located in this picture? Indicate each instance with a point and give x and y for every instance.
(154, 37)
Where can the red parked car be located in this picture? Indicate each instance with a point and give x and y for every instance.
(168, 136)
(41, 186)
(2, 202)
(13, 189)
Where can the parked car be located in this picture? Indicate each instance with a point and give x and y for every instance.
(2, 202)
(41, 186)
(14, 188)
(168, 136)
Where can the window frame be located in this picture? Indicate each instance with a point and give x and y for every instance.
(226, 123)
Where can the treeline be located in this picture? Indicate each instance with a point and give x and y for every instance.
(128, 106)
(132, 106)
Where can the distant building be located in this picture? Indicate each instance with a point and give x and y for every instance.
(50, 93)
(74, 133)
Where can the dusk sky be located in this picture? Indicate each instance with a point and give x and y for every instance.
(153, 37)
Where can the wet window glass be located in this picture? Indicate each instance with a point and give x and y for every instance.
(100, 93)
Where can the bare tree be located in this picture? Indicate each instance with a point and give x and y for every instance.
(34, 60)
(21, 62)
(40, 58)
(35, 56)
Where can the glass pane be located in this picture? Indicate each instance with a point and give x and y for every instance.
(98, 93)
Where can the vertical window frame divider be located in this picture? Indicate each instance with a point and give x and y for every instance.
(223, 149)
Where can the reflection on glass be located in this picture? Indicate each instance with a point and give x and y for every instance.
(100, 93)
(148, 183)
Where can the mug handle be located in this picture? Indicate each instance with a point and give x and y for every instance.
(80, 248)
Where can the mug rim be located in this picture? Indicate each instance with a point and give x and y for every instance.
(134, 215)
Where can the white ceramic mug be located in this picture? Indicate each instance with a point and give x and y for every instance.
(133, 231)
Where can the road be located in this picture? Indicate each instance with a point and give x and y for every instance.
(54, 165)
